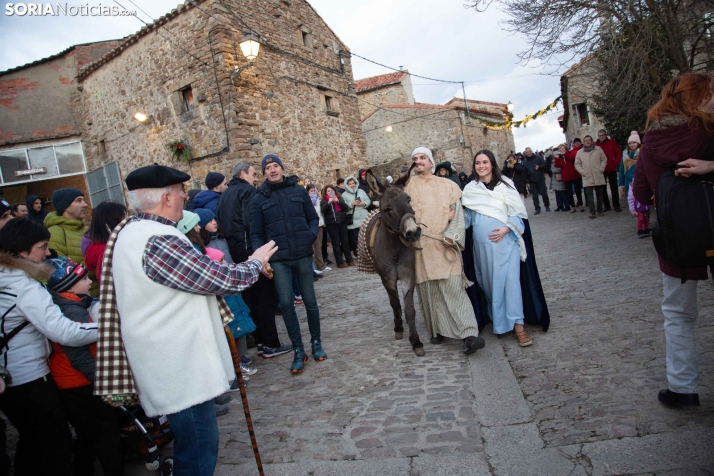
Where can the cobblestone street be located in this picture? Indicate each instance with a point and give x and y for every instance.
(581, 400)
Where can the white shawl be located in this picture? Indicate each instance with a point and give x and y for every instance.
(500, 204)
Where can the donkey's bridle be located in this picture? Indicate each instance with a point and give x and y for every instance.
(399, 233)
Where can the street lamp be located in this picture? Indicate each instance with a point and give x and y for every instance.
(389, 129)
(250, 46)
(141, 117)
(510, 106)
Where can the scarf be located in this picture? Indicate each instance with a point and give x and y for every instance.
(336, 205)
(499, 203)
(589, 149)
(631, 161)
(313, 197)
(113, 378)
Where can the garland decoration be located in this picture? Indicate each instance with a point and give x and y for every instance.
(510, 123)
(180, 150)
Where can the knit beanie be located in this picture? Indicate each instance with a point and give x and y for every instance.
(427, 152)
(214, 179)
(634, 137)
(188, 221)
(63, 198)
(214, 254)
(4, 207)
(270, 158)
(67, 274)
(205, 216)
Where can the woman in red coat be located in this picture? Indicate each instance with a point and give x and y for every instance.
(105, 217)
(571, 177)
(679, 129)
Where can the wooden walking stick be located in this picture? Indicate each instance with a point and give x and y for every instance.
(244, 397)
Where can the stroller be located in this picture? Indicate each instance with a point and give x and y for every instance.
(142, 437)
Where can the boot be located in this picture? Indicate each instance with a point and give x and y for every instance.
(299, 361)
(317, 353)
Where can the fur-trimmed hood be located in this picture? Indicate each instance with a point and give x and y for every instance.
(9, 263)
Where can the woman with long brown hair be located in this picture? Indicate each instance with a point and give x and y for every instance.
(679, 129)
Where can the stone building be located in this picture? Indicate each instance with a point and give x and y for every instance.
(41, 146)
(578, 86)
(297, 100)
(395, 124)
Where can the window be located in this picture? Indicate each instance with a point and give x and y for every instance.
(330, 104)
(101, 146)
(581, 111)
(105, 184)
(305, 38)
(16, 166)
(338, 174)
(187, 95)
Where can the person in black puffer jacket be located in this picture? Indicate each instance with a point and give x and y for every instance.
(516, 172)
(282, 211)
(334, 210)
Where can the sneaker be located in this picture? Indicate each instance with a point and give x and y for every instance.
(646, 233)
(245, 360)
(327, 268)
(221, 409)
(298, 299)
(317, 353)
(640, 233)
(248, 370)
(234, 384)
(260, 350)
(673, 399)
(299, 361)
(316, 277)
(547, 209)
(270, 352)
(524, 340)
(223, 398)
(316, 271)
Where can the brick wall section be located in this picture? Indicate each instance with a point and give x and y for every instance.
(274, 107)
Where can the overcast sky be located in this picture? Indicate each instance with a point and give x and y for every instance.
(438, 39)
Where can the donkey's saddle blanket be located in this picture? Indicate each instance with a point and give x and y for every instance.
(365, 243)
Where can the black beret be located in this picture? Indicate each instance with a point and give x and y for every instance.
(154, 176)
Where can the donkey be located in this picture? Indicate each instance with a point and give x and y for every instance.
(393, 251)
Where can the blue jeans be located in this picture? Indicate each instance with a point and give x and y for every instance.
(196, 443)
(283, 276)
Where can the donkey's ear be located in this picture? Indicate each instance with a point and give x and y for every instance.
(403, 180)
(374, 184)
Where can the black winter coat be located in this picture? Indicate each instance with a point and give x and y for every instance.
(535, 176)
(233, 213)
(283, 212)
(517, 175)
(330, 215)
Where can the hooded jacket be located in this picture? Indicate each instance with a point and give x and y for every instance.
(668, 141)
(360, 213)
(233, 213)
(283, 212)
(612, 152)
(66, 236)
(206, 199)
(39, 217)
(23, 297)
(449, 172)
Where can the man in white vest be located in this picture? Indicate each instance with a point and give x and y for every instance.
(170, 319)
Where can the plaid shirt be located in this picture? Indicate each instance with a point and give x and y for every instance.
(175, 263)
(169, 261)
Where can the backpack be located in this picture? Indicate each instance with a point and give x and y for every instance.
(684, 232)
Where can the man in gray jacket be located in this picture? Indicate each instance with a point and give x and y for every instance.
(590, 162)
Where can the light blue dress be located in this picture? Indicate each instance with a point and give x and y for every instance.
(498, 269)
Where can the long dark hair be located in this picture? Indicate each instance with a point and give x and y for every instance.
(206, 235)
(496, 176)
(195, 238)
(105, 217)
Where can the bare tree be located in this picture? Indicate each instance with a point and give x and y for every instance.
(639, 44)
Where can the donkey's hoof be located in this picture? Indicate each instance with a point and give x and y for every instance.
(419, 351)
(399, 335)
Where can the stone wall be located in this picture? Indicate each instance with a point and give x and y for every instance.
(578, 86)
(280, 105)
(35, 101)
(439, 128)
(394, 94)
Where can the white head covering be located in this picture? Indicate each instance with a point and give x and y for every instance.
(634, 137)
(427, 152)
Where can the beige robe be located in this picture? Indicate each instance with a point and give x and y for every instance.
(432, 198)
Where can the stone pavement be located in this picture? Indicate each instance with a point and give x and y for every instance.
(580, 401)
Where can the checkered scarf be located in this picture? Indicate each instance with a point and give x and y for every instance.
(113, 378)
